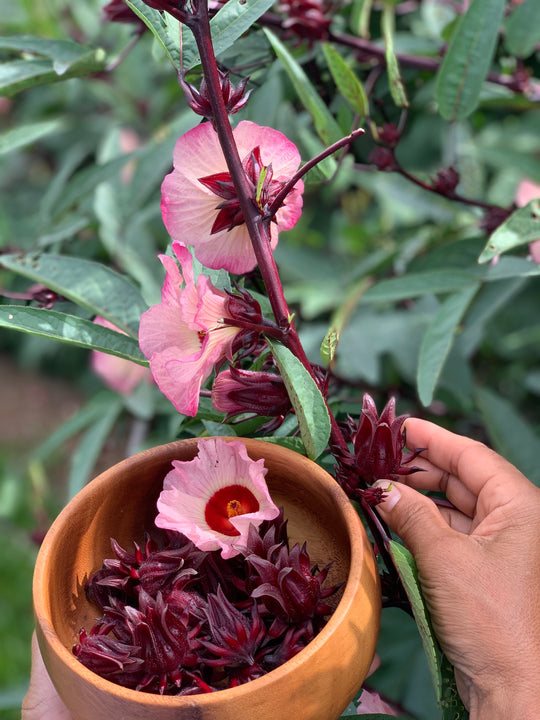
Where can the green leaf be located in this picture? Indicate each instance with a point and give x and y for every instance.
(227, 25)
(348, 84)
(417, 284)
(468, 59)
(397, 88)
(360, 17)
(290, 442)
(49, 61)
(523, 226)
(89, 284)
(306, 399)
(71, 330)
(511, 435)
(406, 567)
(158, 25)
(81, 185)
(73, 426)
(523, 29)
(329, 346)
(438, 340)
(91, 444)
(325, 124)
(26, 134)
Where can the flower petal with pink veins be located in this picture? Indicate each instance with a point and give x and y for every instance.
(184, 336)
(190, 208)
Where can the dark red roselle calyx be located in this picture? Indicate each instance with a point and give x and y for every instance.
(233, 98)
(446, 181)
(389, 135)
(378, 447)
(111, 659)
(290, 589)
(309, 19)
(383, 159)
(118, 11)
(235, 638)
(179, 9)
(177, 620)
(167, 643)
(149, 567)
(258, 393)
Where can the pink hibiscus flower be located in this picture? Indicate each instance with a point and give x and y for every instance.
(199, 203)
(185, 335)
(120, 375)
(214, 498)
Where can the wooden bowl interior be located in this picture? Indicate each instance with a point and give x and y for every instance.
(129, 507)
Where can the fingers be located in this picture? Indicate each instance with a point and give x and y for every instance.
(413, 516)
(42, 701)
(474, 464)
(437, 480)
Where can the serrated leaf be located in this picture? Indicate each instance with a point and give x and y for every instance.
(510, 434)
(306, 399)
(89, 284)
(325, 124)
(70, 329)
(347, 82)
(438, 340)
(468, 59)
(406, 568)
(26, 134)
(523, 29)
(523, 226)
(53, 60)
(417, 284)
(397, 88)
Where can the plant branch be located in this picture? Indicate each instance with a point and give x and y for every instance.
(280, 197)
(258, 228)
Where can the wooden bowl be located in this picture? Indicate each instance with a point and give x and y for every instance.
(317, 684)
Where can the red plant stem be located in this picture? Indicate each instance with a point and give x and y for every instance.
(280, 197)
(257, 227)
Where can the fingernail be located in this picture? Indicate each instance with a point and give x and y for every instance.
(391, 494)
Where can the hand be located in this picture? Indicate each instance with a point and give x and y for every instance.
(478, 565)
(42, 702)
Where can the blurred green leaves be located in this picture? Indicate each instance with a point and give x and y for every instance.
(467, 61)
(45, 61)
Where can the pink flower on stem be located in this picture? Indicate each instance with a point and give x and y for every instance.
(199, 203)
(185, 335)
(527, 191)
(215, 498)
(120, 375)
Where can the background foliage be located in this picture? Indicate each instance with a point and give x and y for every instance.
(384, 252)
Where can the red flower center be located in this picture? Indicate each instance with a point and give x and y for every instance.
(226, 503)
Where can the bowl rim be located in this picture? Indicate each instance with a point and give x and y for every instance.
(358, 542)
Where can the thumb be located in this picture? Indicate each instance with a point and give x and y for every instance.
(411, 515)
